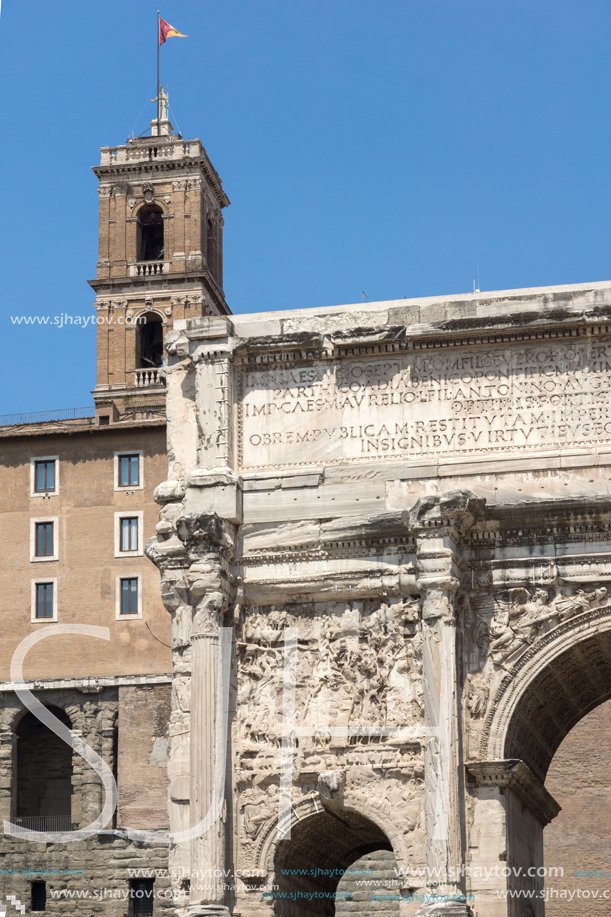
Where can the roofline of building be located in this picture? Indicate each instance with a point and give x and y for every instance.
(70, 427)
(481, 298)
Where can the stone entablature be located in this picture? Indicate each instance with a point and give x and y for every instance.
(409, 502)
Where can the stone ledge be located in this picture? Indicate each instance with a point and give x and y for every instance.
(514, 775)
(87, 685)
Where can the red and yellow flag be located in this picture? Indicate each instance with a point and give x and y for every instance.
(168, 31)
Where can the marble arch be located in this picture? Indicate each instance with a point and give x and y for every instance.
(560, 679)
(402, 511)
(378, 829)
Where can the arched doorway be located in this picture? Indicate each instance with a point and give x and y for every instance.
(321, 849)
(44, 774)
(560, 694)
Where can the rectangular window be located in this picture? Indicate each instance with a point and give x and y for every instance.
(141, 897)
(129, 470)
(44, 600)
(129, 596)
(44, 476)
(39, 896)
(44, 539)
(129, 533)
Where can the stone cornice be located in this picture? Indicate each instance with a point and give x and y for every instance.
(92, 684)
(163, 283)
(300, 347)
(515, 776)
(166, 165)
(70, 428)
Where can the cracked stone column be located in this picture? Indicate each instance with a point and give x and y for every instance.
(194, 557)
(439, 524)
(194, 549)
(207, 539)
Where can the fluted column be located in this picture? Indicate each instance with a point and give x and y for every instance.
(441, 715)
(207, 850)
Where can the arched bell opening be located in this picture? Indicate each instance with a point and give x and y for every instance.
(149, 341)
(323, 848)
(150, 241)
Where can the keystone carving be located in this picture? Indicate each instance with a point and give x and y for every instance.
(331, 788)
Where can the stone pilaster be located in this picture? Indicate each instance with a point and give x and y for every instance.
(511, 807)
(439, 523)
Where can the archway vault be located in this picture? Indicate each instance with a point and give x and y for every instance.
(557, 682)
(320, 849)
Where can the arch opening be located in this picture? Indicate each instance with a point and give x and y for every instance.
(321, 849)
(149, 341)
(569, 687)
(150, 233)
(44, 771)
(579, 839)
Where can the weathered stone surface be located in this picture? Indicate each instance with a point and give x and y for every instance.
(417, 586)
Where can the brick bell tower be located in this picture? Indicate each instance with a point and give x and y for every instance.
(160, 259)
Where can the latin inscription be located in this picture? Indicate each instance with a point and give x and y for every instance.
(509, 398)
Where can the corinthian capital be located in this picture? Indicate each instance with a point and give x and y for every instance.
(202, 533)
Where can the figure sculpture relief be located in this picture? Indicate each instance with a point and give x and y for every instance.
(522, 616)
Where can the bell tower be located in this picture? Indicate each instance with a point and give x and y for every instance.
(160, 259)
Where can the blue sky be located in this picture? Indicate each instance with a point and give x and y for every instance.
(383, 146)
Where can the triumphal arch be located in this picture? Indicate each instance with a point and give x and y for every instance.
(384, 541)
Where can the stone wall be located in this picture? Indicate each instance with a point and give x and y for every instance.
(98, 869)
(91, 716)
(126, 726)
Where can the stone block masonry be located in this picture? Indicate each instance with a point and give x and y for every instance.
(90, 877)
(416, 496)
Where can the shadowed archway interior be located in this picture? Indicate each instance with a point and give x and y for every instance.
(44, 769)
(313, 860)
(571, 686)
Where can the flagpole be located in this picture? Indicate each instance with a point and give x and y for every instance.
(158, 83)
